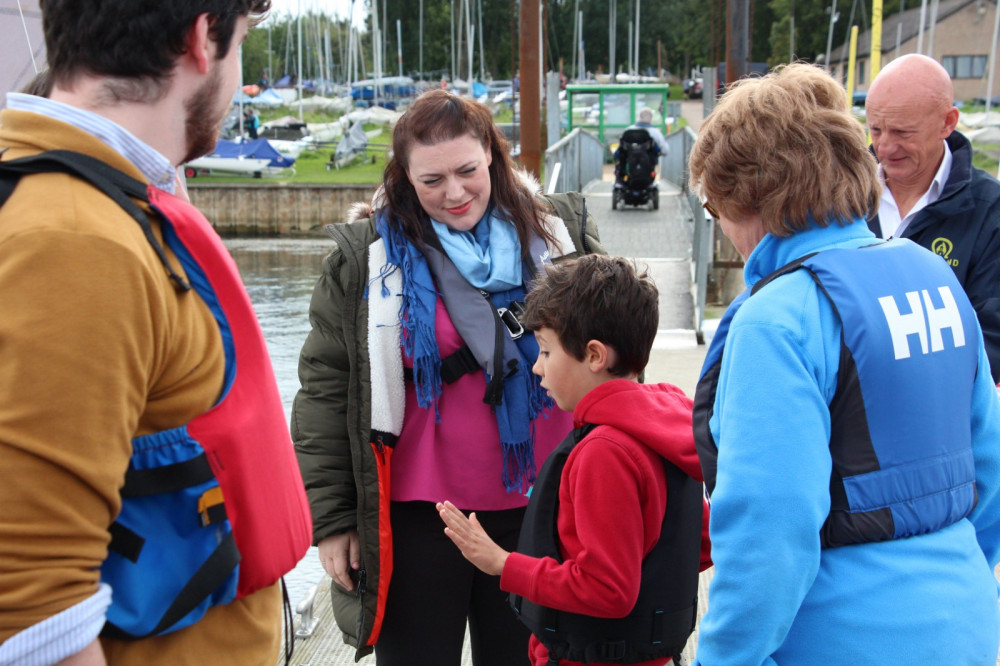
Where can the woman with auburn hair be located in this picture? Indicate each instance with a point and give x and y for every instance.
(846, 420)
(417, 386)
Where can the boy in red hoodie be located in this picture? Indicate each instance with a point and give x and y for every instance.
(616, 531)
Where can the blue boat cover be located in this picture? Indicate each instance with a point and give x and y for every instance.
(257, 149)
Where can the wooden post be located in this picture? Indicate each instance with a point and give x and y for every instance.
(530, 108)
(737, 40)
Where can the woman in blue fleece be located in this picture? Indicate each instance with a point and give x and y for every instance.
(846, 419)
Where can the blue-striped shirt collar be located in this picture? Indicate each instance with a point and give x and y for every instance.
(153, 165)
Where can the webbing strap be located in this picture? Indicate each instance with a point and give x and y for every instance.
(116, 185)
(206, 580)
(453, 367)
(125, 542)
(168, 478)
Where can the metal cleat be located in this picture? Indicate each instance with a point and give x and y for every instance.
(307, 619)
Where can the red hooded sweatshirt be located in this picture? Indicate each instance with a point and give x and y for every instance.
(612, 498)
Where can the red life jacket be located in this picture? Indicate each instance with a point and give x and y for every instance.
(245, 434)
(215, 509)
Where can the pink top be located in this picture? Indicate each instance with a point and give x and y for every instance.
(459, 459)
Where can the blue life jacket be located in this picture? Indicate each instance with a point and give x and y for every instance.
(906, 326)
(215, 509)
(665, 613)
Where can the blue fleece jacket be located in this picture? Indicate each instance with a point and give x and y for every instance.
(776, 596)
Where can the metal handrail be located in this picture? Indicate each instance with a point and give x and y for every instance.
(578, 158)
(582, 157)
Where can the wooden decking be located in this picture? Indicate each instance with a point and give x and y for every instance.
(325, 647)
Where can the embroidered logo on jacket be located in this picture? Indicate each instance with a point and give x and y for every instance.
(943, 247)
(923, 320)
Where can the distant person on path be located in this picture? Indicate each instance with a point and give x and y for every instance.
(847, 426)
(417, 385)
(646, 122)
(931, 193)
(251, 122)
(615, 532)
(131, 452)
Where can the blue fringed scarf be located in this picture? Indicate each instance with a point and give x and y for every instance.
(485, 256)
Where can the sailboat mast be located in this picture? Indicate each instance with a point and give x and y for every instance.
(470, 43)
(612, 30)
(299, 77)
(376, 51)
(27, 36)
(482, 60)
(637, 3)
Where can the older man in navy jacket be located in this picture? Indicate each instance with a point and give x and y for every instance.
(931, 193)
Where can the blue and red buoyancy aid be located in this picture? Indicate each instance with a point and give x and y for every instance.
(213, 510)
(253, 509)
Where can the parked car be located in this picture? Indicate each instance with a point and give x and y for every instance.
(693, 88)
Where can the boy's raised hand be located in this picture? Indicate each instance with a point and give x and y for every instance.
(470, 537)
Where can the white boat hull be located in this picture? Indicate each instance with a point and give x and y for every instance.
(245, 165)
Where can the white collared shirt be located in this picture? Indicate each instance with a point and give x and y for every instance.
(888, 212)
(153, 165)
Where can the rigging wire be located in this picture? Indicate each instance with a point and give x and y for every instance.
(27, 37)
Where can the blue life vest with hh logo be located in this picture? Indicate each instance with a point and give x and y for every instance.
(907, 326)
(215, 509)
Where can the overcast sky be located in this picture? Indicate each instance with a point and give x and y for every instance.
(340, 8)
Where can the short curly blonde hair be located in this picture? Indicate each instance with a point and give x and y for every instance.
(785, 147)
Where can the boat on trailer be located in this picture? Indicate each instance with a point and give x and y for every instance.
(257, 158)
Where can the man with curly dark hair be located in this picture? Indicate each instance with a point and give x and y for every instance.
(151, 496)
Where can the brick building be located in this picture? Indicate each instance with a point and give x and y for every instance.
(962, 39)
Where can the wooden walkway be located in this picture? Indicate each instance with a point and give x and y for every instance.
(326, 646)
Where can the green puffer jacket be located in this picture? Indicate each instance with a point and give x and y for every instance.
(334, 420)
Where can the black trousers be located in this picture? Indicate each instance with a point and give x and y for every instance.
(434, 591)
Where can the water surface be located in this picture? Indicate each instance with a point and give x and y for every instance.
(279, 275)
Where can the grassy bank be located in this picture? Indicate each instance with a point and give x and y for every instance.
(311, 167)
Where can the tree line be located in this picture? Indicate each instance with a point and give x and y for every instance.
(675, 35)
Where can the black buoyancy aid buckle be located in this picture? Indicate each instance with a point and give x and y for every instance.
(453, 367)
(606, 651)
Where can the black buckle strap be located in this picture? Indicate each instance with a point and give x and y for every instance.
(453, 367)
(125, 542)
(168, 478)
(607, 651)
(113, 183)
(206, 580)
(458, 364)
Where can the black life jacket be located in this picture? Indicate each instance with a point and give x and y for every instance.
(665, 613)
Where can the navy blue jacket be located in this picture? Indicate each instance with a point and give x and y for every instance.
(963, 226)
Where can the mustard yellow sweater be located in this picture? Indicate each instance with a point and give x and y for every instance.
(96, 347)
